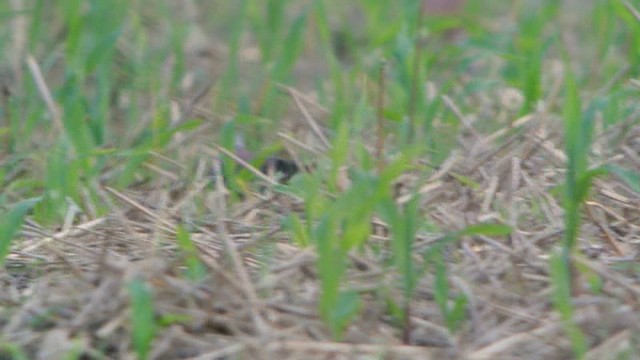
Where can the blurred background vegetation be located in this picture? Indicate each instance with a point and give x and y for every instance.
(121, 74)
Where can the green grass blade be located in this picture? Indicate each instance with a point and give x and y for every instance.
(629, 177)
(195, 268)
(577, 163)
(487, 229)
(11, 222)
(11, 351)
(143, 325)
(560, 272)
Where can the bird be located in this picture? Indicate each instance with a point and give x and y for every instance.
(283, 169)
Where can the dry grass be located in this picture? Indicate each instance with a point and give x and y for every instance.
(259, 299)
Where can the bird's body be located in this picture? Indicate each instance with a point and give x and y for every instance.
(278, 167)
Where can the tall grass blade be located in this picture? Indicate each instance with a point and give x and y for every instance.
(195, 268)
(11, 222)
(143, 324)
(562, 301)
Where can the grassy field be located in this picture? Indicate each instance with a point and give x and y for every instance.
(468, 183)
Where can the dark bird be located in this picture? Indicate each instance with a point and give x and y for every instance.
(283, 169)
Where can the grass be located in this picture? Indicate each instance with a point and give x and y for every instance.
(440, 153)
(142, 318)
